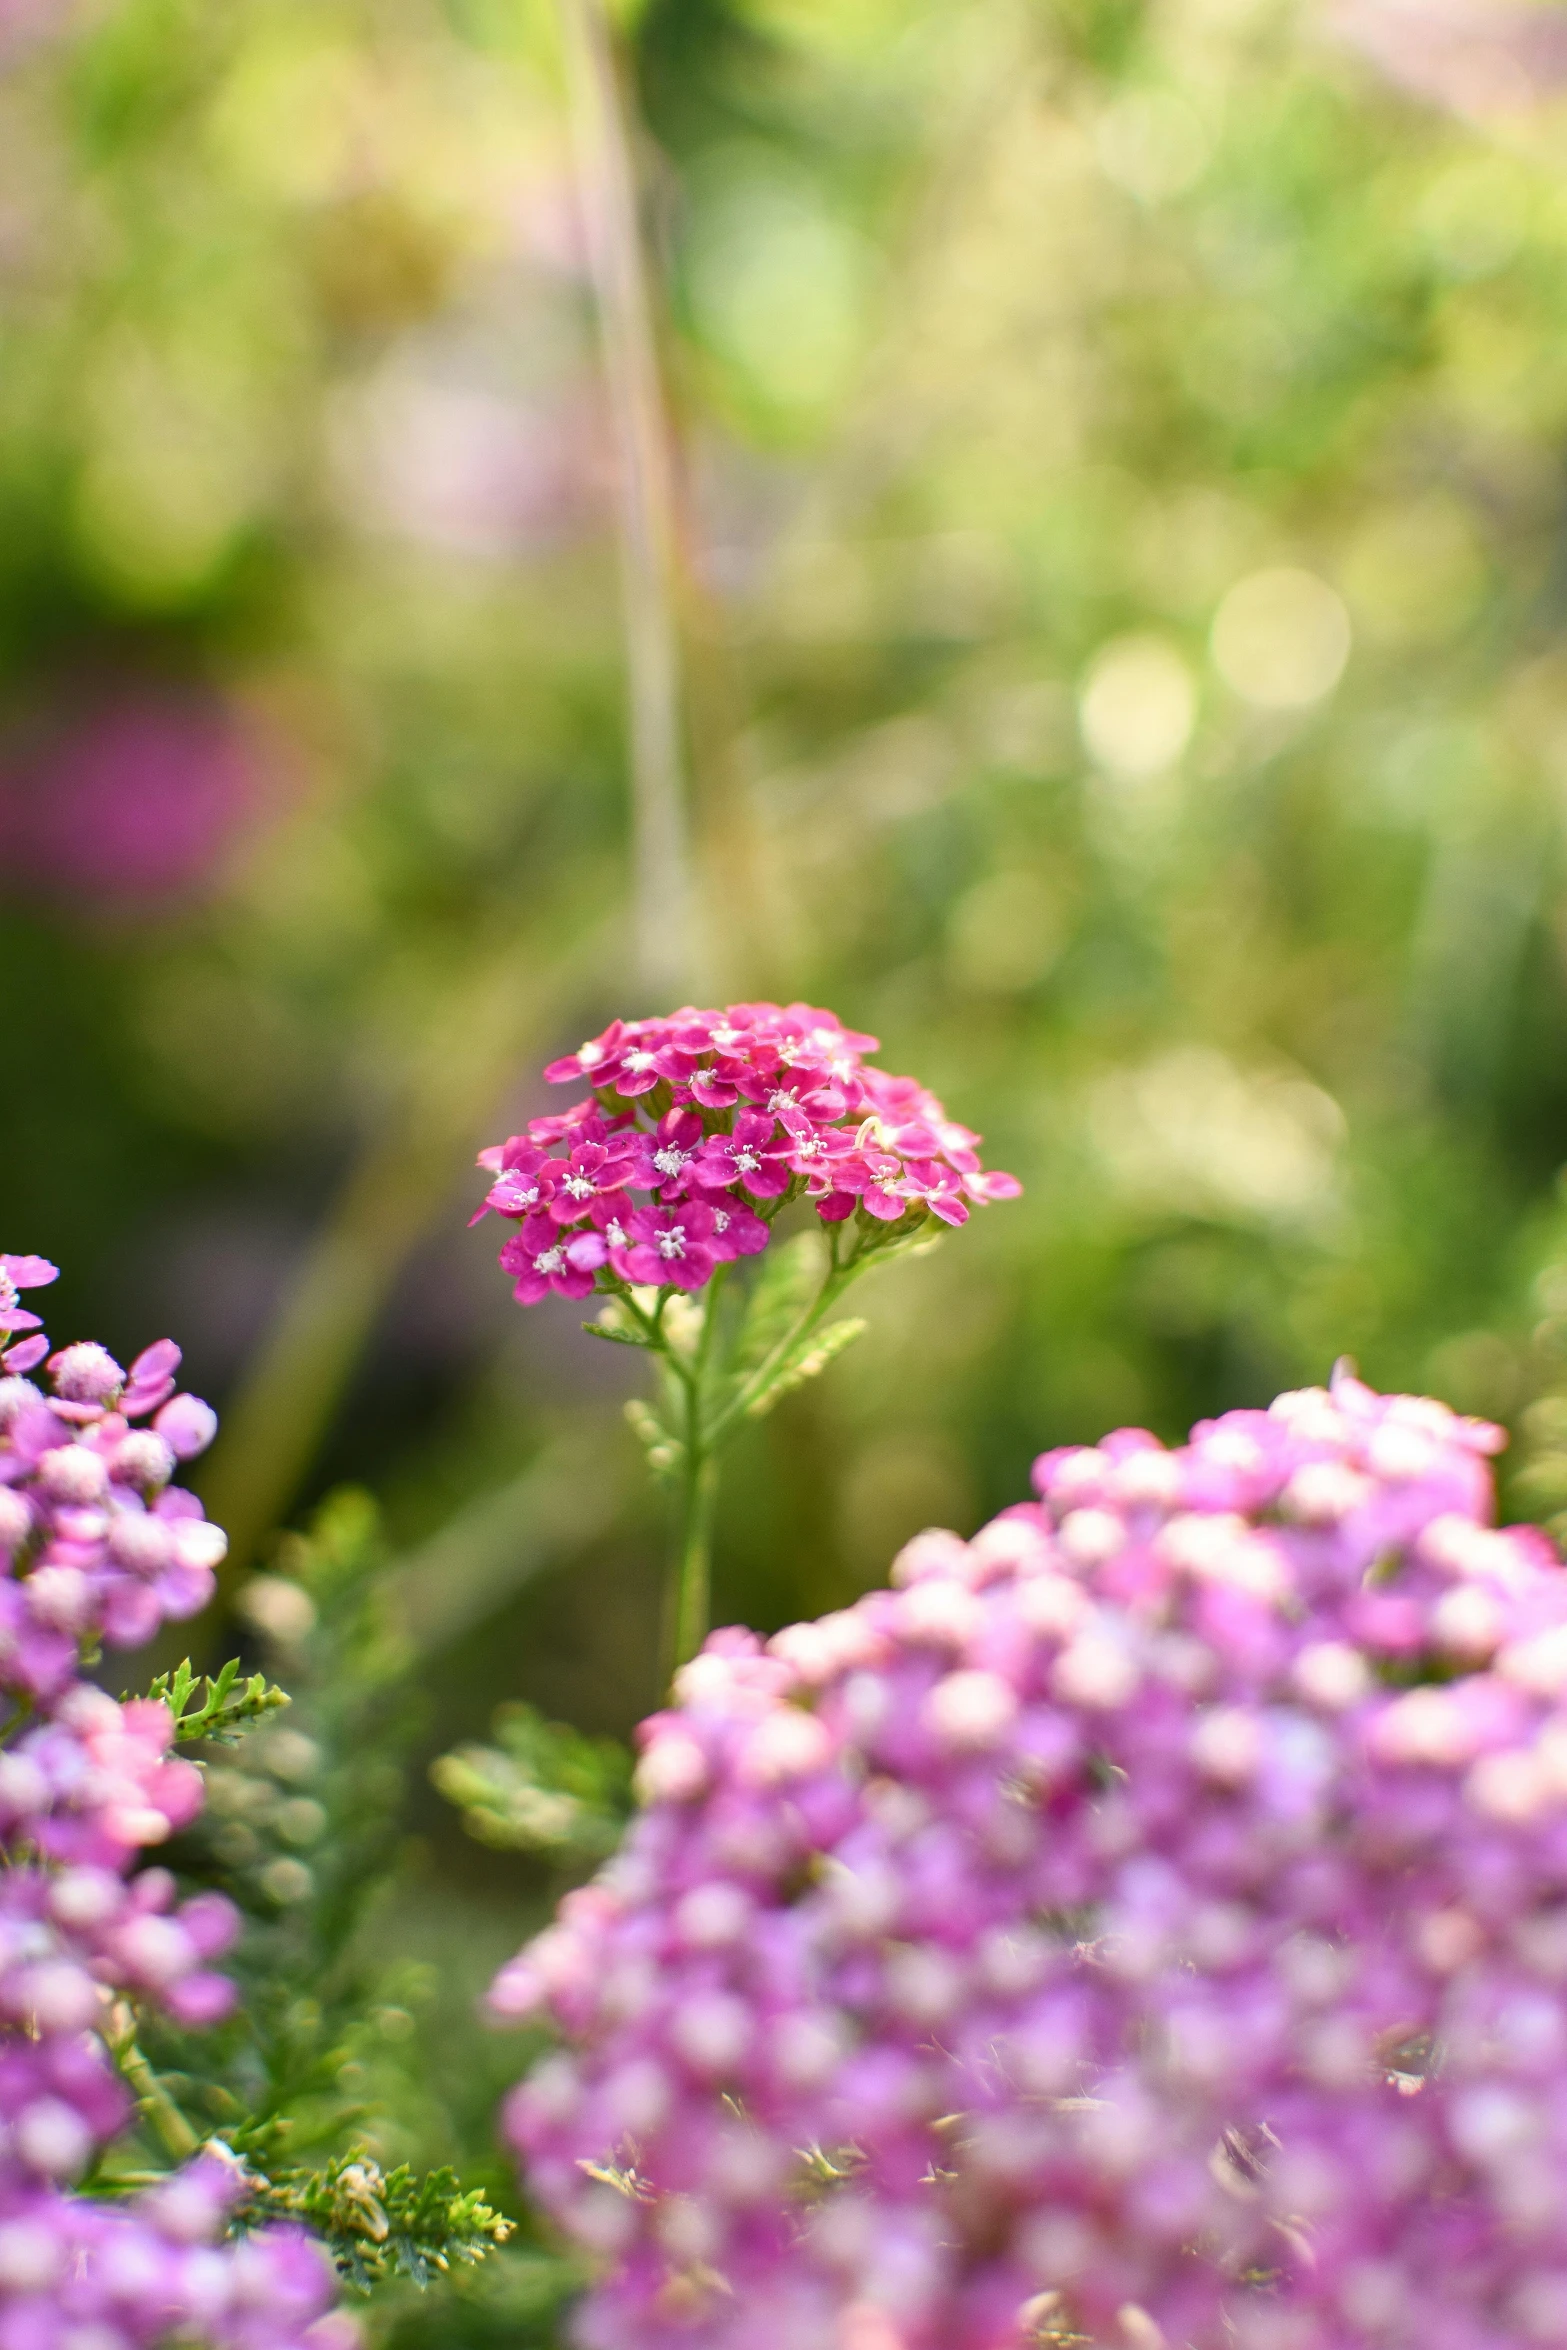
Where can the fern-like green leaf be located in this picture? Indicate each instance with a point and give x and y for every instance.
(618, 1324)
(218, 1708)
(809, 1360)
(787, 1280)
(382, 2224)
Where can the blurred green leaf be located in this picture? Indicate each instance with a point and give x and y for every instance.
(789, 1275)
(541, 1787)
(807, 1361)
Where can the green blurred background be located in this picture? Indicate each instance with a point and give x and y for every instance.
(1120, 452)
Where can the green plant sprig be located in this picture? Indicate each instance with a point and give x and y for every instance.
(720, 1368)
(378, 2224)
(292, 2084)
(224, 1708)
(541, 1787)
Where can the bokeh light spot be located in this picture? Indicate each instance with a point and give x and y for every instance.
(1281, 638)
(1193, 1132)
(1476, 215)
(776, 282)
(1138, 706)
(1152, 144)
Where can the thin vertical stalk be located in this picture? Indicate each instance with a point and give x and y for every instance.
(688, 1599)
(156, 2107)
(706, 1396)
(664, 900)
(692, 1567)
(406, 1168)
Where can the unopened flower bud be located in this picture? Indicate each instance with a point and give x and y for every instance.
(187, 1426)
(86, 1374)
(51, 2137)
(74, 1474)
(141, 1460)
(139, 1543)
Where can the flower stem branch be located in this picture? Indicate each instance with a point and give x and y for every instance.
(687, 1603)
(704, 1427)
(710, 1389)
(691, 1566)
(755, 1390)
(156, 2107)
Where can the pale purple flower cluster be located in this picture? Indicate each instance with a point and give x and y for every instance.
(96, 1541)
(1146, 1923)
(76, 2272)
(97, 1544)
(720, 1117)
(1478, 58)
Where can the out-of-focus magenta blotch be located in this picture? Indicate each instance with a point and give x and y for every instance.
(134, 803)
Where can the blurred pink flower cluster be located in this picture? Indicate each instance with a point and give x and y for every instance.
(1479, 58)
(1146, 1922)
(98, 1544)
(722, 1117)
(148, 2272)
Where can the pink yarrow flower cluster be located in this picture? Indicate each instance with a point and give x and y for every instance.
(1146, 1923)
(98, 1544)
(74, 2271)
(719, 1118)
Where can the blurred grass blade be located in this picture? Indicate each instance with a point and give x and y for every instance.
(406, 1172)
(665, 911)
(566, 1497)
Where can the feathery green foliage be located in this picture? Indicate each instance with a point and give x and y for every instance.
(224, 1706)
(541, 1787)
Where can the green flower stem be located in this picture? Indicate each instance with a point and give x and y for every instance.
(702, 1425)
(687, 1601)
(756, 1388)
(691, 1564)
(156, 2107)
(18, 1721)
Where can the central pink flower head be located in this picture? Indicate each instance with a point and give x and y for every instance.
(1145, 1924)
(721, 1114)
